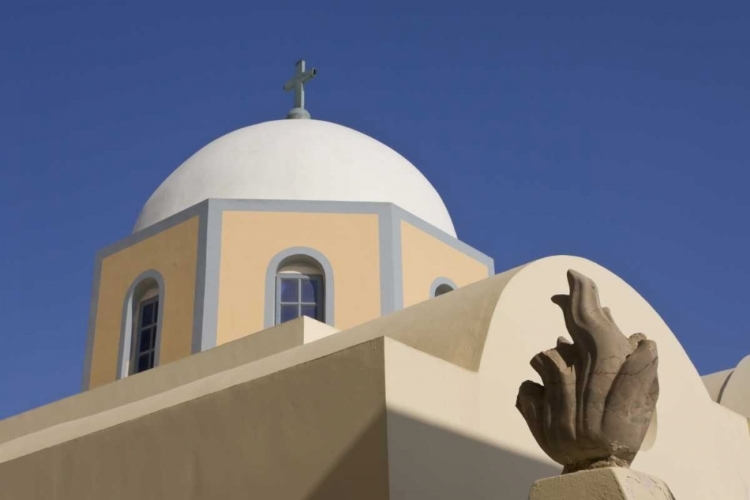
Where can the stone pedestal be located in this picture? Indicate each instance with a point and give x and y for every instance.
(611, 483)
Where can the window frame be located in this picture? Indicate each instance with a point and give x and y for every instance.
(277, 266)
(148, 284)
(138, 329)
(440, 282)
(299, 277)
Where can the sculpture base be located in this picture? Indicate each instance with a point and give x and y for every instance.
(609, 483)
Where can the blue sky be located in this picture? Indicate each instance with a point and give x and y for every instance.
(617, 131)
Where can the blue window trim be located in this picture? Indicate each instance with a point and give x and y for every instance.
(270, 313)
(438, 282)
(124, 358)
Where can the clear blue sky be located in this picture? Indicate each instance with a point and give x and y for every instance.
(617, 131)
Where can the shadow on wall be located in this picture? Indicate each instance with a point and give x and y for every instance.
(426, 461)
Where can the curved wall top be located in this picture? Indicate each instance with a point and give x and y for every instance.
(700, 450)
(494, 327)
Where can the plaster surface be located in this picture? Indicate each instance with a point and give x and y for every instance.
(733, 387)
(173, 254)
(715, 383)
(496, 339)
(231, 436)
(449, 367)
(249, 242)
(297, 160)
(164, 378)
(425, 258)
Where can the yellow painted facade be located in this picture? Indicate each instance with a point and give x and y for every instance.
(425, 258)
(249, 240)
(173, 253)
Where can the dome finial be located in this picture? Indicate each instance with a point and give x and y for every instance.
(297, 83)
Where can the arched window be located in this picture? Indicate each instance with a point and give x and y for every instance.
(300, 289)
(441, 286)
(299, 282)
(141, 325)
(145, 322)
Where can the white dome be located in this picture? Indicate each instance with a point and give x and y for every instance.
(297, 160)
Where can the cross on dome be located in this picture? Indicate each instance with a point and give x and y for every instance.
(297, 83)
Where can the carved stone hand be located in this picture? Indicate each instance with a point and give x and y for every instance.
(599, 392)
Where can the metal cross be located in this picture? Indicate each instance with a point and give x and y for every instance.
(297, 83)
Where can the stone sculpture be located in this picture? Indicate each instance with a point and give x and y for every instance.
(599, 392)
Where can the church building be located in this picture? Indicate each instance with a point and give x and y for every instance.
(295, 317)
(251, 232)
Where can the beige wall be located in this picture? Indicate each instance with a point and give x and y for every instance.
(700, 449)
(249, 240)
(736, 393)
(714, 383)
(425, 258)
(232, 437)
(449, 371)
(164, 378)
(173, 253)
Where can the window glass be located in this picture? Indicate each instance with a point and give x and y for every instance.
(299, 295)
(310, 311)
(147, 314)
(144, 341)
(289, 289)
(309, 291)
(144, 363)
(443, 289)
(289, 312)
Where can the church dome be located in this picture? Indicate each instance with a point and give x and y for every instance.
(297, 160)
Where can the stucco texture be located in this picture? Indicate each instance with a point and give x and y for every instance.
(297, 160)
(731, 388)
(700, 449)
(314, 431)
(426, 258)
(170, 376)
(426, 394)
(173, 253)
(249, 240)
